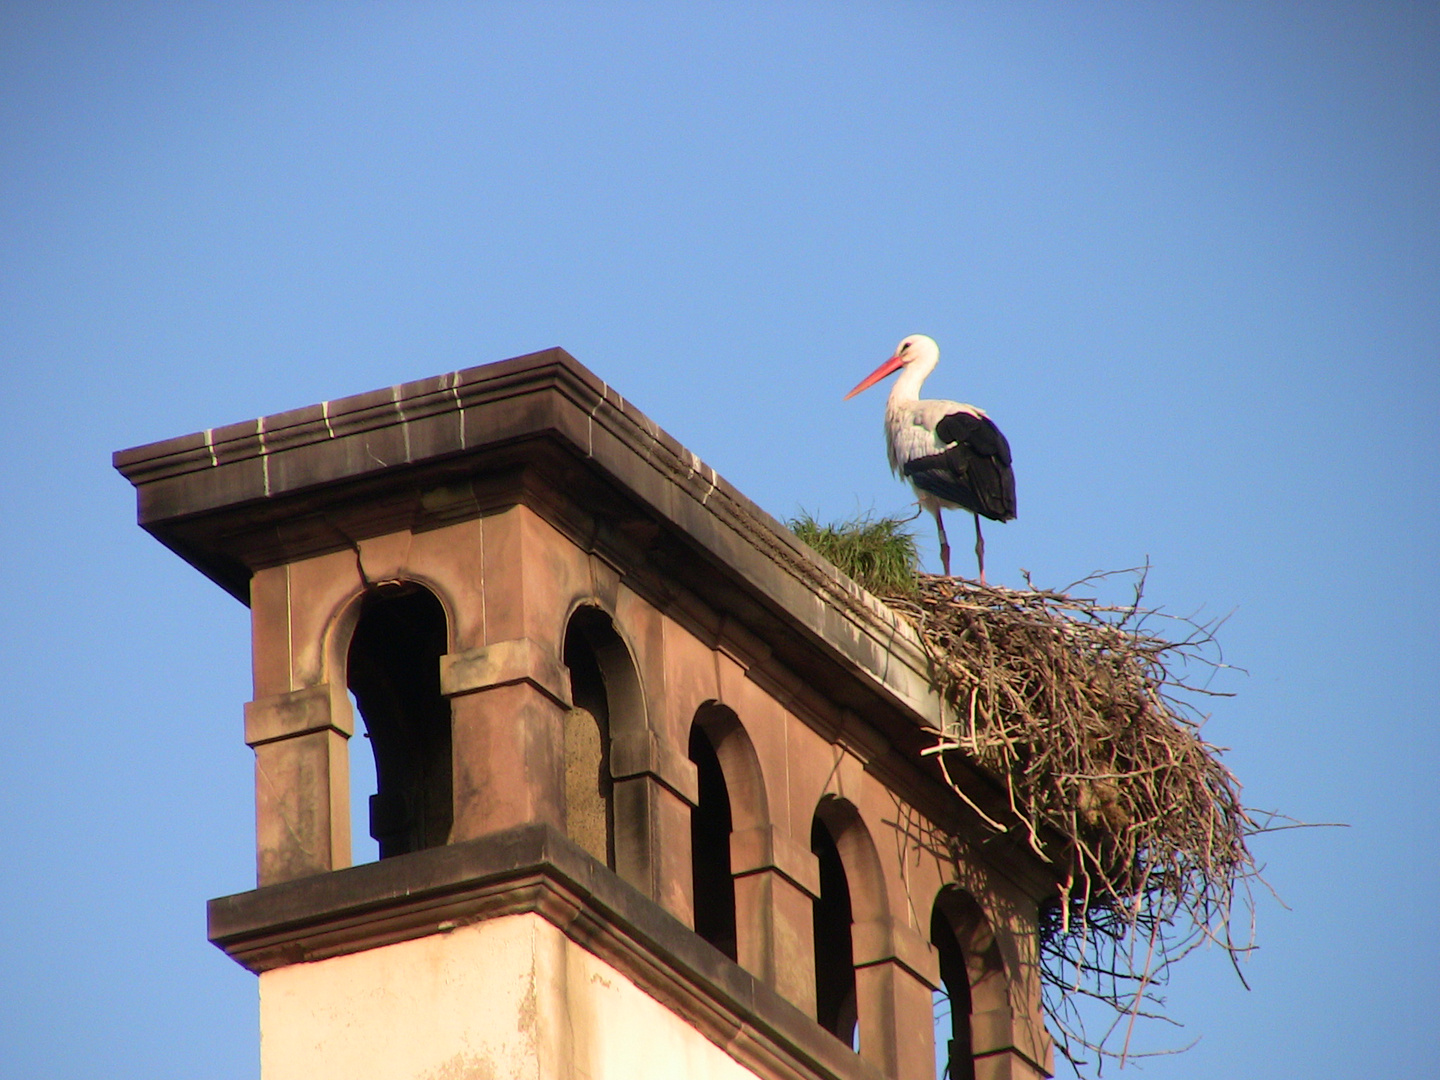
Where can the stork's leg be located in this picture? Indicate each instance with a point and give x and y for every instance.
(944, 544)
(980, 549)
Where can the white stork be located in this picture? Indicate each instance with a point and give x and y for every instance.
(953, 454)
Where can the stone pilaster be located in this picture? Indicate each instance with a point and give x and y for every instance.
(776, 883)
(302, 783)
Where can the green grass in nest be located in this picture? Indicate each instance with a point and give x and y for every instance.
(878, 552)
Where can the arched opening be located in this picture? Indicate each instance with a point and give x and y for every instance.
(973, 973)
(710, 828)
(835, 1005)
(590, 644)
(953, 1054)
(393, 671)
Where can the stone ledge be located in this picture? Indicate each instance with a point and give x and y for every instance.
(501, 662)
(880, 942)
(532, 868)
(766, 848)
(640, 753)
(299, 712)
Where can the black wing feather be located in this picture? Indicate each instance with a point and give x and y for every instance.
(973, 472)
(978, 433)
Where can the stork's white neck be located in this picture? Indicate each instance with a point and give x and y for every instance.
(911, 379)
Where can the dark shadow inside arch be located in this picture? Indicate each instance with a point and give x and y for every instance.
(710, 828)
(600, 671)
(393, 669)
(956, 1057)
(835, 1005)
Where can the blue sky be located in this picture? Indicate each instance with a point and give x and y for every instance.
(1187, 255)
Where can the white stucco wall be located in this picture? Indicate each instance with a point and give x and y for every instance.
(507, 998)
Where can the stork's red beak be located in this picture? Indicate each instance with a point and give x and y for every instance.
(875, 376)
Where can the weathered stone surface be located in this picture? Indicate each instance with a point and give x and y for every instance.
(516, 660)
(296, 713)
(509, 766)
(775, 934)
(302, 806)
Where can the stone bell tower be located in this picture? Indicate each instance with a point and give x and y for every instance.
(650, 797)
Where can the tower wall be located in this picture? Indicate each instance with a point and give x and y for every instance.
(519, 495)
(507, 997)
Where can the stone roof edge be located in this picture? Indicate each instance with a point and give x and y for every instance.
(891, 638)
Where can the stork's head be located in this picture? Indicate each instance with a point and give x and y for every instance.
(917, 351)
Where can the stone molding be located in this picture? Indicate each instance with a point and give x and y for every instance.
(532, 868)
(300, 712)
(766, 848)
(641, 753)
(503, 662)
(885, 941)
(996, 1032)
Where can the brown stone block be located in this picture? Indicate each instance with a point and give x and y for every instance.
(652, 843)
(320, 589)
(503, 552)
(643, 628)
(297, 713)
(302, 806)
(453, 557)
(556, 573)
(505, 662)
(792, 934)
(689, 681)
(775, 936)
(508, 747)
(815, 768)
(675, 870)
(270, 631)
(897, 1024)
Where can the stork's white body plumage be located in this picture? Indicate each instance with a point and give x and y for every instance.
(910, 428)
(952, 453)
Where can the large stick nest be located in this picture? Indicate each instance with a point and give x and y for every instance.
(1082, 710)
(1085, 712)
